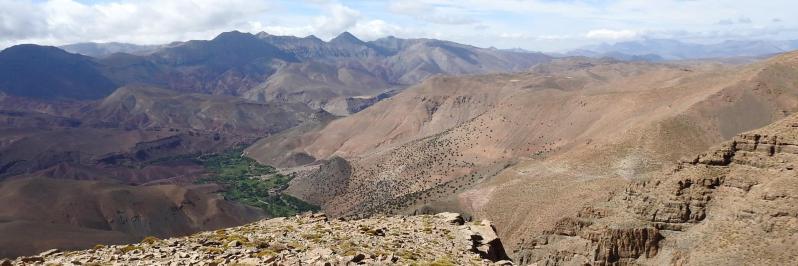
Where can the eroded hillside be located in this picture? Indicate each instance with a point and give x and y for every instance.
(79, 214)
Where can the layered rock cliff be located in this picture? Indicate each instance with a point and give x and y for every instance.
(737, 204)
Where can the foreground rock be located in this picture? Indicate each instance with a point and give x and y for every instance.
(443, 239)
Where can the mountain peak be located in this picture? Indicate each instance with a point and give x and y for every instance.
(263, 34)
(312, 37)
(29, 52)
(233, 36)
(47, 72)
(33, 48)
(346, 37)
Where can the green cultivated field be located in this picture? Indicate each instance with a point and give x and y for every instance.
(243, 182)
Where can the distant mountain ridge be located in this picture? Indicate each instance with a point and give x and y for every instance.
(667, 49)
(95, 49)
(268, 68)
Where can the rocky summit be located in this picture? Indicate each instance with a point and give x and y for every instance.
(308, 239)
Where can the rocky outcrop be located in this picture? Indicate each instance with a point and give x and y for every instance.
(575, 242)
(725, 206)
(311, 239)
(485, 241)
(614, 245)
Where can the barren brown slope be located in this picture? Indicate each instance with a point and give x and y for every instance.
(498, 102)
(134, 124)
(736, 204)
(669, 127)
(317, 84)
(150, 107)
(79, 214)
(580, 126)
(24, 151)
(417, 59)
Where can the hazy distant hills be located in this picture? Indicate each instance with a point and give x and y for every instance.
(119, 126)
(94, 49)
(259, 67)
(150, 107)
(667, 49)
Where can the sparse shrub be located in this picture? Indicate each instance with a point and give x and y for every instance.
(241, 239)
(265, 253)
(296, 245)
(314, 237)
(443, 261)
(129, 248)
(149, 240)
(212, 250)
(408, 255)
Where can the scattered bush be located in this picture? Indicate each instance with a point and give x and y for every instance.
(149, 240)
(129, 248)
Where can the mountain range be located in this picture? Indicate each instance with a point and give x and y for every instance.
(260, 67)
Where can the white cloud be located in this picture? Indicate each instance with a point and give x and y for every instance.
(145, 21)
(19, 19)
(375, 29)
(430, 12)
(554, 37)
(57, 22)
(531, 24)
(341, 18)
(605, 34)
(741, 20)
(514, 35)
(336, 19)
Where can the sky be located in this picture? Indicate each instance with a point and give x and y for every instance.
(538, 25)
